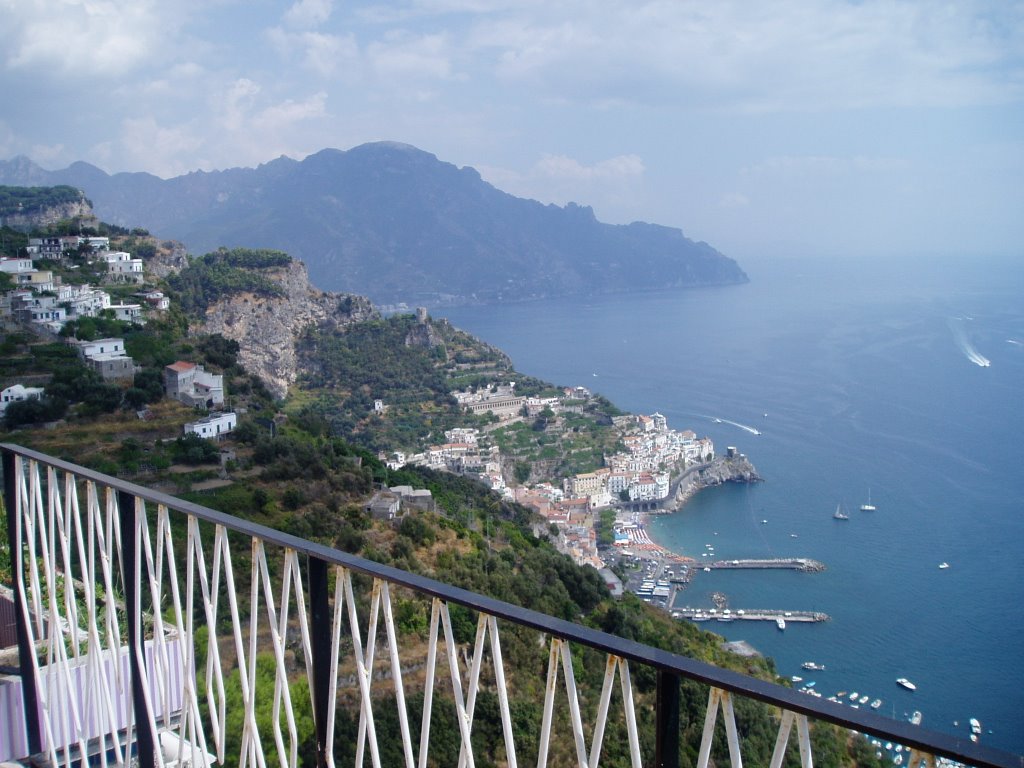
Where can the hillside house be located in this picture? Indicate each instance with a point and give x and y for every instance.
(122, 268)
(47, 247)
(384, 505)
(113, 367)
(156, 300)
(213, 426)
(131, 313)
(109, 346)
(421, 498)
(18, 392)
(192, 385)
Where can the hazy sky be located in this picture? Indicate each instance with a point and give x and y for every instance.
(806, 126)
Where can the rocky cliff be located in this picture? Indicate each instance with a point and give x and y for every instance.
(724, 469)
(49, 215)
(267, 328)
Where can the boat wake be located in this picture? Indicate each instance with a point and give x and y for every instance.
(751, 430)
(1014, 341)
(960, 337)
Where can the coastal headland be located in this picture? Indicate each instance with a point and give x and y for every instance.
(729, 468)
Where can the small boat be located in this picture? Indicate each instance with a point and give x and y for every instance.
(902, 681)
(916, 717)
(812, 665)
(780, 622)
(975, 725)
(839, 514)
(854, 696)
(943, 566)
(876, 703)
(796, 679)
(867, 506)
(863, 700)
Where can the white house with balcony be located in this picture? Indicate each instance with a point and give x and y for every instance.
(131, 313)
(122, 268)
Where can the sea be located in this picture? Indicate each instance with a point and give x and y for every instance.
(901, 380)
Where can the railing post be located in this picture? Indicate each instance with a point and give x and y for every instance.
(320, 643)
(145, 739)
(666, 723)
(29, 694)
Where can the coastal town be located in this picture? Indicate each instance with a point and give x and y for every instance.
(655, 471)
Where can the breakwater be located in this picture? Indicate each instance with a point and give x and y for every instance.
(804, 564)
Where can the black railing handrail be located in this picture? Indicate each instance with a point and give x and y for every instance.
(913, 736)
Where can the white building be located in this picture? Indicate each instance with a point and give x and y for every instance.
(214, 425)
(87, 349)
(131, 313)
(17, 392)
(14, 266)
(191, 384)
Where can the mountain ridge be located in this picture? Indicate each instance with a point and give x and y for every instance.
(395, 223)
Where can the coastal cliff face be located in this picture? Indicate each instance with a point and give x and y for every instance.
(724, 469)
(267, 328)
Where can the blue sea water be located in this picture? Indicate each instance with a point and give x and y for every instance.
(860, 377)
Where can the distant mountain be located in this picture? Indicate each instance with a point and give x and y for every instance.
(395, 223)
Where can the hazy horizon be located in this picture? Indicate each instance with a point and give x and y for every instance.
(802, 128)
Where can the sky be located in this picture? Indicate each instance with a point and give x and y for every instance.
(838, 128)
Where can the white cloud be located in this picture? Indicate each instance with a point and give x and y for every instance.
(279, 117)
(325, 54)
(562, 167)
(84, 38)
(306, 14)
(803, 55)
(400, 57)
(821, 165)
(144, 143)
(607, 185)
(734, 200)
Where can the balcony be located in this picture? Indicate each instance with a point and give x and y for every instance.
(153, 631)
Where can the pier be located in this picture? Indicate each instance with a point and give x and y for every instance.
(756, 614)
(790, 563)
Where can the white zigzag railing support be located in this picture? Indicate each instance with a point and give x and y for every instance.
(724, 698)
(803, 736)
(106, 579)
(560, 650)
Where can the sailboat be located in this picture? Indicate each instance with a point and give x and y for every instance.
(839, 514)
(867, 506)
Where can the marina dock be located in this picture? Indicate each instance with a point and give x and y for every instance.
(756, 614)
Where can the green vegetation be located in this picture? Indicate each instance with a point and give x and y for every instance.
(224, 273)
(26, 200)
(372, 361)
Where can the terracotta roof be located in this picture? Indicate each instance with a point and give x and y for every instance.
(181, 367)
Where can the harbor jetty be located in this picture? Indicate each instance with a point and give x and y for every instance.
(755, 614)
(791, 563)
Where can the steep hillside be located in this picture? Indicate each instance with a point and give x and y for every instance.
(395, 223)
(263, 300)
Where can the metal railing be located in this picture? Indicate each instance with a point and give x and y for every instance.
(113, 582)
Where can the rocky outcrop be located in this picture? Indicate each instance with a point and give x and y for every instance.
(169, 259)
(48, 216)
(268, 328)
(725, 469)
